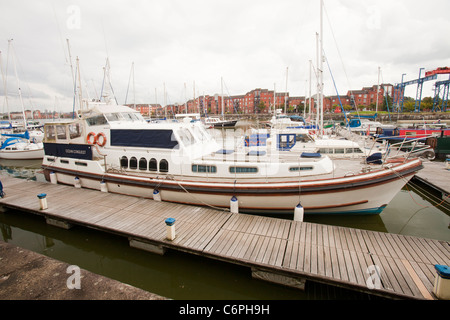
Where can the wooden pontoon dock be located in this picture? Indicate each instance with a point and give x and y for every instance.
(278, 250)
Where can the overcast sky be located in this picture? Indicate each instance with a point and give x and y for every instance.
(248, 43)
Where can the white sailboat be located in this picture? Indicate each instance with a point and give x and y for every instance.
(20, 146)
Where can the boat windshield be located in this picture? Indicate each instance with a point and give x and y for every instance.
(185, 136)
(201, 134)
(123, 116)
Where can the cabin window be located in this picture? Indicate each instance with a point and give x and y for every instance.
(96, 121)
(133, 163)
(339, 151)
(124, 162)
(357, 150)
(153, 165)
(112, 117)
(74, 130)
(64, 161)
(296, 169)
(61, 132)
(49, 132)
(326, 150)
(142, 164)
(129, 116)
(243, 170)
(204, 169)
(164, 166)
(83, 164)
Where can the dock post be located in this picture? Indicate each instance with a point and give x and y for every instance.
(42, 201)
(170, 228)
(442, 282)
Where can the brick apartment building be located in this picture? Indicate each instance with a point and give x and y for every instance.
(260, 101)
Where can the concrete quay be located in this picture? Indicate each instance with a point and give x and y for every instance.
(26, 275)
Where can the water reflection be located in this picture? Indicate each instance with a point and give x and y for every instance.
(175, 275)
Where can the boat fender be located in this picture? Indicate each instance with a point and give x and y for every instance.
(53, 178)
(156, 195)
(77, 182)
(234, 205)
(103, 186)
(299, 213)
(91, 136)
(101, 139)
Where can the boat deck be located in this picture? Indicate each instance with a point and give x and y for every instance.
(276, 250)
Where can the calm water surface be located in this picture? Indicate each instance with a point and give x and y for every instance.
(181, 276)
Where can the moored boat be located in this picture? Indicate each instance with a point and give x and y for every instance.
(215, 122)
(113, 148)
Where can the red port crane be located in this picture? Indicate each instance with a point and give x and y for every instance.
(443, 70)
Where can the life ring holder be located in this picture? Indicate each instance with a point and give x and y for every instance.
(89, 136)
(101, 139)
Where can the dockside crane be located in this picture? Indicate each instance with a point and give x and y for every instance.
(399, 90)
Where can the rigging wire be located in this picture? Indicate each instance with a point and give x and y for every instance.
(340, 55)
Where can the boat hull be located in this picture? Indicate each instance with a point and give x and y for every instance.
(22, 154)
(362, 194)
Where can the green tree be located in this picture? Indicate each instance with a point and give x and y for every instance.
(261, 107)
(409, 105)
(427, 104)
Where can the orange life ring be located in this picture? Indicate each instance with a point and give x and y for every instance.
(89, 136)
(101, 142)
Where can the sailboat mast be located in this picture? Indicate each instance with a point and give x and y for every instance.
(185, 99)
(274, 99)
(79, 84)
(321, 68)
(18, 86)
(285, 94)
(318, 82)
(134, 88)
(165, 102)
(310, 86)
(378, 88)
(5, 87)
(221, 84)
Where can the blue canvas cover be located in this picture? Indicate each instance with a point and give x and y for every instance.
(143, 138)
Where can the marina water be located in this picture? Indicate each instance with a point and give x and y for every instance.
(415, 211)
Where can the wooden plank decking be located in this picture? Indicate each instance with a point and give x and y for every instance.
(297, 250)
